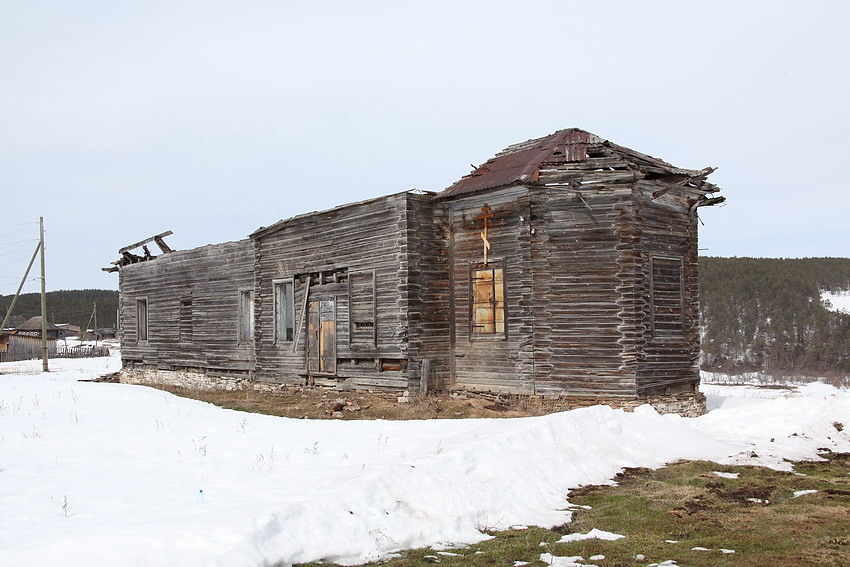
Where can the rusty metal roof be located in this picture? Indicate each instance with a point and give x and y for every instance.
(520, 163)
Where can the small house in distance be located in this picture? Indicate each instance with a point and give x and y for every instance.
(23, 342)
(562, 269)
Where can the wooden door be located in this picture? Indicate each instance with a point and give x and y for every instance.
(321, 336)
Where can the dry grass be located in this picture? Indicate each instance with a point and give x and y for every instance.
(666, 513)
(319, 403)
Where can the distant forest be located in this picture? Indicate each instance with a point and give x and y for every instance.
(767, 314)
(757, 314)
(68, 306)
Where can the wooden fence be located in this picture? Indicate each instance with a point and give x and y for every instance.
(82, 351)
(24, 348)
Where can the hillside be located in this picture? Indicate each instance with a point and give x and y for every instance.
(67, 306)
(768, 314)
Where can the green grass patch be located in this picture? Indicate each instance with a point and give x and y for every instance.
(665, 513)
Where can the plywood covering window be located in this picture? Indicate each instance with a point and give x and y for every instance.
(284, 310)
(246, 315)
(487, 305)
(667, 298)
(362, 308)
(185, 323)
(142, 319)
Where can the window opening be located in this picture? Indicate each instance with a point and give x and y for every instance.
(284, 310)
(487, 316)
(362, 308)
(142, 319)
(246, 315)
(667, 298)
(185, 324)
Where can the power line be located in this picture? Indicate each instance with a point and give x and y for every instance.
(18, 250)
(27, 239)
(14, 233)
(19, 224)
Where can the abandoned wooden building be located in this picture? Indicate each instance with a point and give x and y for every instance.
(23, 340)
(565, 266)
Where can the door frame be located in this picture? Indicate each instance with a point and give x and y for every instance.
(320, 343)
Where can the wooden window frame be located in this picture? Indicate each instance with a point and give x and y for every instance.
(185, 323)
(496, 334)
(245, 317)
(281, 311)
(357, 338)
(142, 319)
(653, 307)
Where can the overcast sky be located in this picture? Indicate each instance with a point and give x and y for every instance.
(120, 120)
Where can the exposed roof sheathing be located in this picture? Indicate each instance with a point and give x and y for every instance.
(521, 163)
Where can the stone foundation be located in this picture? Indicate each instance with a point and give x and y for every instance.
(185, 379)
(686, 404)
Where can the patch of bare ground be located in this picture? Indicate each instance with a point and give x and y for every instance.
(688, 513)
(304, 402)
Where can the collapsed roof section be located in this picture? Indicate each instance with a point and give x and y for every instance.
(523, 163)
(563, 158)
(128, 257)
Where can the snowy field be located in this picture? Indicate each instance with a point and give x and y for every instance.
(112, 474)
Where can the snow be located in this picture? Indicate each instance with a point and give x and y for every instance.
(592, 534)
(723, 396)
(556, 561)
(727, 474)
(839, 301)
(112, 474)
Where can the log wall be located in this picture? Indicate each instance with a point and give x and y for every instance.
(328, 247)
(428, 293)
(211, 277)
(585, 299)
(669, 361)
(501, 362)
(600, 292)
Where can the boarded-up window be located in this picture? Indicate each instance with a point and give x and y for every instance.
(142, 319)
(246, 315)
(667, 298)
(362, 309)
(284, 309)
(487, 307)
(185, 324)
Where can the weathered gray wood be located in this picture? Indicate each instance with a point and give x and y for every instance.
(597, 249)
(301, 315)
(210, 276)
(157, 238)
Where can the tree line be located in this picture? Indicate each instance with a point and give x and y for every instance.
(68, 306)
(768, 314)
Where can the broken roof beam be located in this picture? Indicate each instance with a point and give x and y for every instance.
(158, 239)
(696, 181)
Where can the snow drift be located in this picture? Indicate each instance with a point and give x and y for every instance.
(94, 473)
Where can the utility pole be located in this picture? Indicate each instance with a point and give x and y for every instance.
(20, 287)
(95, 324)
(44, 365)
